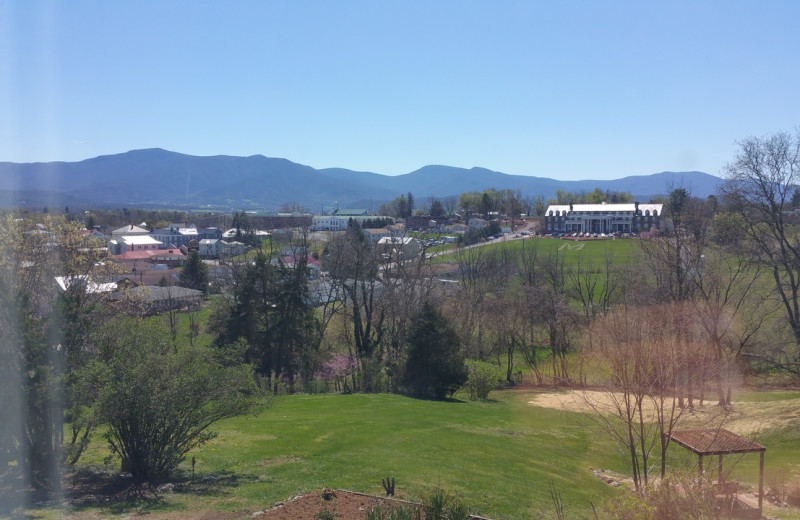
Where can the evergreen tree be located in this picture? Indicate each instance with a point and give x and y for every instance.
(437, 209)
(194, 274)
(435, 366)
(273, 314)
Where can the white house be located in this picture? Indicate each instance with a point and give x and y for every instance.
(400, 248)
(137, 243)
(210, 247)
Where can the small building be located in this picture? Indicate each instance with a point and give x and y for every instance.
(374, 235)
(477, 223)
(130, 230)
(229, 249)
(169, 257)
(400, 248)
(313, 268)
(180, 234)
(153, 299)
(397, 230)
(459, 229)
(138, 243)
(210, 247)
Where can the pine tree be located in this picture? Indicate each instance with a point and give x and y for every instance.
(194, 274)
(435, 366)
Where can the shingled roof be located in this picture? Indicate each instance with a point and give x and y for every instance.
(714, 441)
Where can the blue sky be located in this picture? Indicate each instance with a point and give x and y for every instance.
(562, 89)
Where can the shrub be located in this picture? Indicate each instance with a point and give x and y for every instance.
(325, 514)
(777, 481)
(676, 497)
(483, 377)
(443, 505)
(159, 401)
(381, 512)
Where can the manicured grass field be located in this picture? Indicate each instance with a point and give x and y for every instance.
(591, 253)
(499, 456)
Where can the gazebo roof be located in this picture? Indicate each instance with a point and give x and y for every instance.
(714, 441)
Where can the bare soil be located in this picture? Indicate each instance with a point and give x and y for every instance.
(746, 418)
(345, 505)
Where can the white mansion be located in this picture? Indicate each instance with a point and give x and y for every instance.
(602, 218)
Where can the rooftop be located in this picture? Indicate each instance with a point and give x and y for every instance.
(714, 441)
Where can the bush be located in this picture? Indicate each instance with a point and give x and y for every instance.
(676, 497)
(159, 400)
(381, 512)
(483, 378)
(443, 505)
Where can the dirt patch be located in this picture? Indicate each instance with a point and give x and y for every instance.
(345, 505)
(746, 418)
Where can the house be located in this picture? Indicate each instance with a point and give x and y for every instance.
(457, 228)
(375, 234)
(397, 230)
(312, 265)
(477, 223)
(135, 243)
(229, 249)
(90, 287)
(130, 230)
(603, 218)
(400, 248)
(168, 257)
(180, 234)
(293, 250)
(152, 299)
(232, 232)
(210, 247)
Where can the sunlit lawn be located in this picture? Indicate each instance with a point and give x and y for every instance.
(499, 456)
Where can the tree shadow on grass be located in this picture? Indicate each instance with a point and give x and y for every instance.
(434, 399)
(16, 498)
(98, 488)
(211, 484)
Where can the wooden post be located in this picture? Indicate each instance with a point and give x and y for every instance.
(761, 482)
(700, 465)
(719, 470)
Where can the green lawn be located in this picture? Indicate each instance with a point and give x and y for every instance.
(588, 252)
(499, 456)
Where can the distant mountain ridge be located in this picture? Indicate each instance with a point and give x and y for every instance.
(160, 178)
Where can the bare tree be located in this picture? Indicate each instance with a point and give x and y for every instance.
(638, 359)
(724, 288)
(354, 264)
(596, 289)
(760, 184)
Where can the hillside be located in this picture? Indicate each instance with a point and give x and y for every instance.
(156, 177)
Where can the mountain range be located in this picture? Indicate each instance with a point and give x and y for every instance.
(159, 178)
